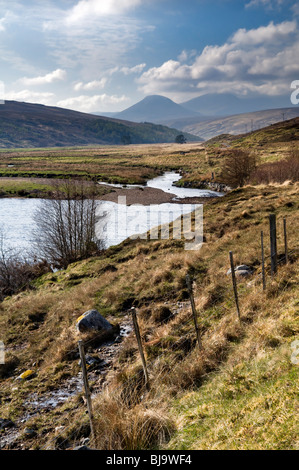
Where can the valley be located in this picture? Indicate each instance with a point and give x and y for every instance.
(208, 399)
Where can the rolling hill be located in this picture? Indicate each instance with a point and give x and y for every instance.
(26, 125)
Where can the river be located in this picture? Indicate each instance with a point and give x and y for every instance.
(121, 221)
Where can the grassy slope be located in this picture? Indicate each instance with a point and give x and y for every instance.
(240, 394)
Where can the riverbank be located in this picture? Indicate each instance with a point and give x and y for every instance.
(41, 188)
(246, 371)
(147, 196)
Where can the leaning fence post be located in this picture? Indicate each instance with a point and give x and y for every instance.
(263, 261)
(138, 337)
(86, 388)
(234, 283)
(285, 240)
(273, 243)
(189, 286)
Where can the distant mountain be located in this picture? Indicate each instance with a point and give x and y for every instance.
(155, 108)
(35, 125)
(207, 128)
(227, 104)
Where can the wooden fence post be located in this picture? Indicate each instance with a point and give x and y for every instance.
(285, 240)
(189, 286)
(263, 261)
(273, 244)
(138, 337)
(234, 283)
(86, 388)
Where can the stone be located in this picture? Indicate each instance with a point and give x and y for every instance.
(30, 432)
(93, 362)
(242, 270)
(243, 273)
(243, 267)
(82, 448)
(28, 374)
(6, 423)
(92, 320)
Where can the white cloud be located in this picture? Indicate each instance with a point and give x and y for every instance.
(8, 18)
(135, 69)
(54, 76)
(264, 3)
(93, 85)
(97, 8)
(2, 23)
(295, 9)
(95, 103)
(264, 34)
(30, 97)
(260, 61)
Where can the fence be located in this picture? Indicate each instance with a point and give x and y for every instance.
(192, 318)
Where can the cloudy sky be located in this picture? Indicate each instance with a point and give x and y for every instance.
(105, 55)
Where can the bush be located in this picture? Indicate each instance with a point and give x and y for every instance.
(237, 167)
(278, 172)
(16, 273)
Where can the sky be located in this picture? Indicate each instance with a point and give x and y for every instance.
(106, 55)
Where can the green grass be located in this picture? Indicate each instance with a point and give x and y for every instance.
(242, 396)
(251, 406)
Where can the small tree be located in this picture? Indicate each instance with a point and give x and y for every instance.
(65, 224)
(237, 167)
(180, 139)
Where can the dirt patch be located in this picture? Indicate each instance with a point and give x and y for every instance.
(147, 196)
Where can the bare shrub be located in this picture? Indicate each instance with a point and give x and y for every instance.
(66, 224)
(16, 272)
(237, 167)
(278, 172)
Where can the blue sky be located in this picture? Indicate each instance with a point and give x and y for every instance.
(105, 55)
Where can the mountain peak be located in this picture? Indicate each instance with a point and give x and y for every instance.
(155, 108)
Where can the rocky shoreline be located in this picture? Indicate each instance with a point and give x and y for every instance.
(210, 185)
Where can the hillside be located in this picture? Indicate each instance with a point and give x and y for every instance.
(239, 394)
(32, 125)
(284, 131)
(236, 124)
(157, 109)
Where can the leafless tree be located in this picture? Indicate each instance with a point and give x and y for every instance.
(237, 167)
(65, 224)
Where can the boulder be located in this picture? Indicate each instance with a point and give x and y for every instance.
(92, 320)
(243, 267)
(241, 271)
